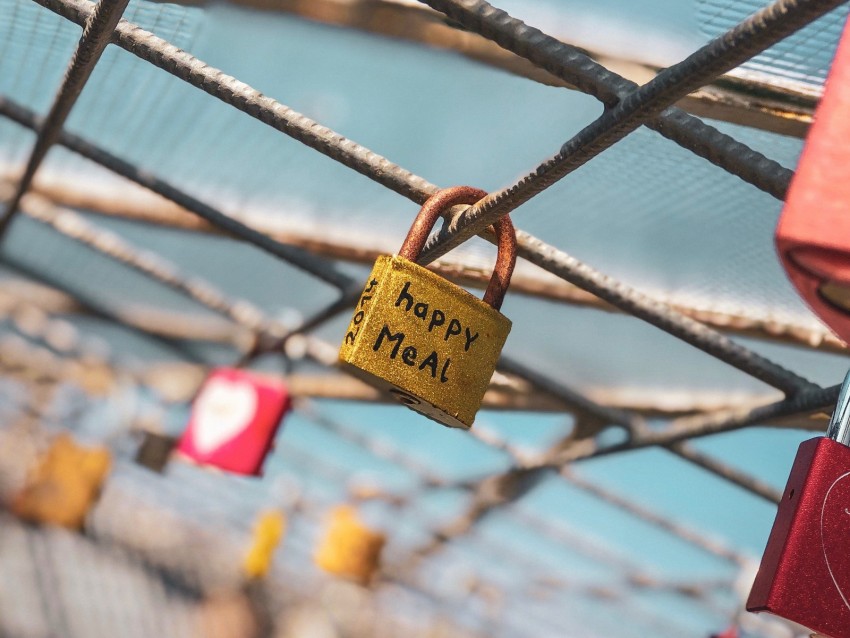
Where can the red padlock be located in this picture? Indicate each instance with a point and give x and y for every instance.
(234, 420)
(813, 236)
(805, 572)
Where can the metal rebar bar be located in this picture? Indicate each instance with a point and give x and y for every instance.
(705, 461)
(101, 310)
(179, 63)
(149, 263)
(228, 89)
(170, 58)
(97, 33)
(380, 449)
(317, 464)
(698, 539)
(658, 314)
(645, 514)
(243, 96)
(530, 248)
(741, 322)
(810, 400)
(574, 400)
(603, 416)
(75, 227)
(298, 257)
(573, 66)
(524, 517)
(726, 472)
(753, 35)
(32, 323)
(686, 428)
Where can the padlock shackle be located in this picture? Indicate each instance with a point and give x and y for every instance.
(439, 203)
(839, 423)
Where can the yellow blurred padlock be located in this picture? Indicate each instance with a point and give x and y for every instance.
(64, 484)
(349, 548)
(268, 532)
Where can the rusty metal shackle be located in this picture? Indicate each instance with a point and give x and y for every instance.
(504, 229)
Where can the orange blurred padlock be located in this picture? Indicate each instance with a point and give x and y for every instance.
(350, 549)
(64, 484)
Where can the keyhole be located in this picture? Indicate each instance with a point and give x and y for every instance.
(404, 397)
(791, 494)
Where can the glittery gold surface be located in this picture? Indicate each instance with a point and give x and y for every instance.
(432, 345)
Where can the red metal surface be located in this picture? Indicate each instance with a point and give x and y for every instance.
(730, 632)
(805, 572)
(813, 236)
(234, 420)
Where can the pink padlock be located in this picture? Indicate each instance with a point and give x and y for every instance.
(234, 420)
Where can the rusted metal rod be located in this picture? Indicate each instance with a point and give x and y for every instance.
(753, 35)
(97, 34)
(573, 66)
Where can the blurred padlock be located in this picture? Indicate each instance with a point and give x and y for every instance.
(267, 534)
(155, 450)
(64, 485)
(813, 236)
(424, 340)
(234, 420)
(350, 549)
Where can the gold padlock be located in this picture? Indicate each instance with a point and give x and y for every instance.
(431, 344)
(349, 548)
(64, 485)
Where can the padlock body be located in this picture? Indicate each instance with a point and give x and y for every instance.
(813, 235)
(65, 484)
(427, 342)
(234, 420)
(349, 548)
(805, 572)
(155, 450)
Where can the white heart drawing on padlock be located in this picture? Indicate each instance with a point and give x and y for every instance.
(223, 410)
(838, 511)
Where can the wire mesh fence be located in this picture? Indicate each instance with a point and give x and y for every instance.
(163, 554)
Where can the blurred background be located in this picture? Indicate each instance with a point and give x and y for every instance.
(617, 481)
